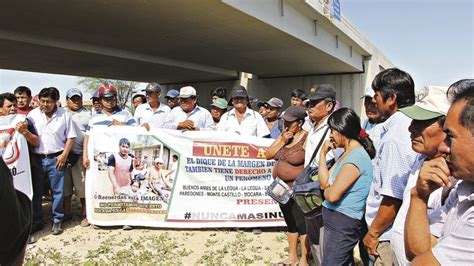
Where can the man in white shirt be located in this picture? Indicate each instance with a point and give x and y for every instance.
(446, 236)
(242, 119)
(394, 89)
(426, 132)
(319, 105)
(57, 133)
(189, 115)
(152, 114)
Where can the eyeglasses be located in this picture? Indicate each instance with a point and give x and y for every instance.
(124, 146)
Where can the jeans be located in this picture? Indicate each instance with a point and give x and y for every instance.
(47, 167)
(341, 234)
(315, 233)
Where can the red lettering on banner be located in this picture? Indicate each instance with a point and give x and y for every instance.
(228, 149)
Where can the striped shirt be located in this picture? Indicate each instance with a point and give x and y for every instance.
(103, 119)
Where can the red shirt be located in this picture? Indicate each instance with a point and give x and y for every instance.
(24, 111)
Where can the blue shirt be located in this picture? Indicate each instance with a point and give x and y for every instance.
(352, 203)
(276, 129)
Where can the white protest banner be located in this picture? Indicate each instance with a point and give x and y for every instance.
(219, 179)
(14, 150)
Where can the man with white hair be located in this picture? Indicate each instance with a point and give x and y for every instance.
(189, 115)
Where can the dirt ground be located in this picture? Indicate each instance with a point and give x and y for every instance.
(112, 245)
(144, 245)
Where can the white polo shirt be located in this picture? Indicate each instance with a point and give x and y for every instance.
(53, 132)
(145, 114)
(252, 124)
(200, 116)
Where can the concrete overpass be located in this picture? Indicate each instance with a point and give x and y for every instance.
(283, 43)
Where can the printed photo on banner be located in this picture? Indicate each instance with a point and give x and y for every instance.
(132, 175)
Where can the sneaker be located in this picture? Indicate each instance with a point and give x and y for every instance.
(127, 227)
(85, 222)
(57, 230)
(36, 227)
(257, 231)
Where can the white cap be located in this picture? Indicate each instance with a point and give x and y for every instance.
(368, 92)
(186, 92)
(159, 160)
(431, 102)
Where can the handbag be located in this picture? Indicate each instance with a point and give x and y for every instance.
(280, 191)
(306, 191)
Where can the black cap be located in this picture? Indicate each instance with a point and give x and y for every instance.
(293, 113)
(153, 87)
(323, 91)
(238, 91)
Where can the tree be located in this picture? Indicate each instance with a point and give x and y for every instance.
(125, 89)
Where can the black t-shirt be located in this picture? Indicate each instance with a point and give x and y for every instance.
(15, 223)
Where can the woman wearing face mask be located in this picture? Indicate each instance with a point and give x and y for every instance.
(288, 152)
(347, 188)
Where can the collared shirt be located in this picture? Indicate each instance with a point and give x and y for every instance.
(80, 120)
(374, 131)
(434, 202)
(145, 114)
(453, 224)
(200, 116)
(53, 132)
(276, 128)
(252, 124)
(312, 141)
(103, 119)
(392, 166)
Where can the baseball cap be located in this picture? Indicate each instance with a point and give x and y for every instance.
(323, 91)
(220, 103)
(274, 102)
(260, 104)
(186, 92)
(293, 113)
(107, 91)
(95, 95)
(159, 160)
(368, 92)
(153, 87)
(73, 92)
(431, 102)
(238, 91)
(172, 94)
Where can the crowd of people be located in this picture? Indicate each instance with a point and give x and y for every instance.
(402, 186)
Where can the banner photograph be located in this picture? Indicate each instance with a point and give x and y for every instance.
(169, 178)
(14, 150)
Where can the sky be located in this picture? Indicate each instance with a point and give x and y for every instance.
(430, 39)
